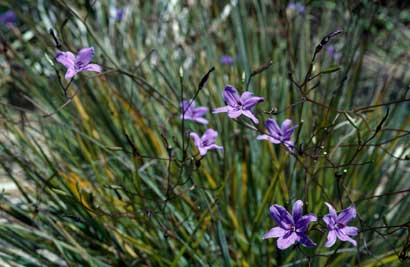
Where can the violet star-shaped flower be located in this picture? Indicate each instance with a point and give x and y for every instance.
(76, 64)
(8, 18)
(331, 51)
(206, 141)
(337, 225)
(279, 135)
(190, 112)
(291, 229)
(226, 60)
(298, 7)
(119, 14)
(239, 105)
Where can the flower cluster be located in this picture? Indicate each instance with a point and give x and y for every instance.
(292, 228)
(189, 111)
(236, 106)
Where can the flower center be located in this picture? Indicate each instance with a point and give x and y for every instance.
(339, 225)
(205, 143)
(79, 65)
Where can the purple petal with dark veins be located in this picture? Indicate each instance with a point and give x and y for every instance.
(306, 241)
(281, 216)
(332, 211)
(231, 96)
(346, 215)
(273, 128)
(297, 210)
(209, 136)
(84, 56)
(252, 101)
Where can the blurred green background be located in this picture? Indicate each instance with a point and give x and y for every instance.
(102, 178)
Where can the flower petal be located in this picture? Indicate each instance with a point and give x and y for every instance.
(185, 105)
(332, 211)
(273, 128)
(213, 146)
(286, 124)
(222, 109)
(346, 215)
(268, 138)
(289, 145)
(92, 67)
(66, 58)
(196, 138)
(200, 111)
(330, 221)
(342, 236)
(288, 133)
(84, 56)
(297, 210)
(70, 73)
(331, 239)
(350, 230)
(306, 241)
(200, 120)
(275, 232)
(234, 114)
(231, 96)
(281, 216)
(209, 136)
(303, 223)
(287, 240)
(245, 96)
(252, 101)
(250, 115)
(203, 151)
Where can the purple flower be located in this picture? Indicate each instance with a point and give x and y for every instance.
(76, 64)
(8, 18)
(298, 7)
(226, 60)
(331, 51)
(190, 112)
(337, 225)
(206, 142)
(237, 106)
(291, 228)
(279, 135)
(119, 14)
